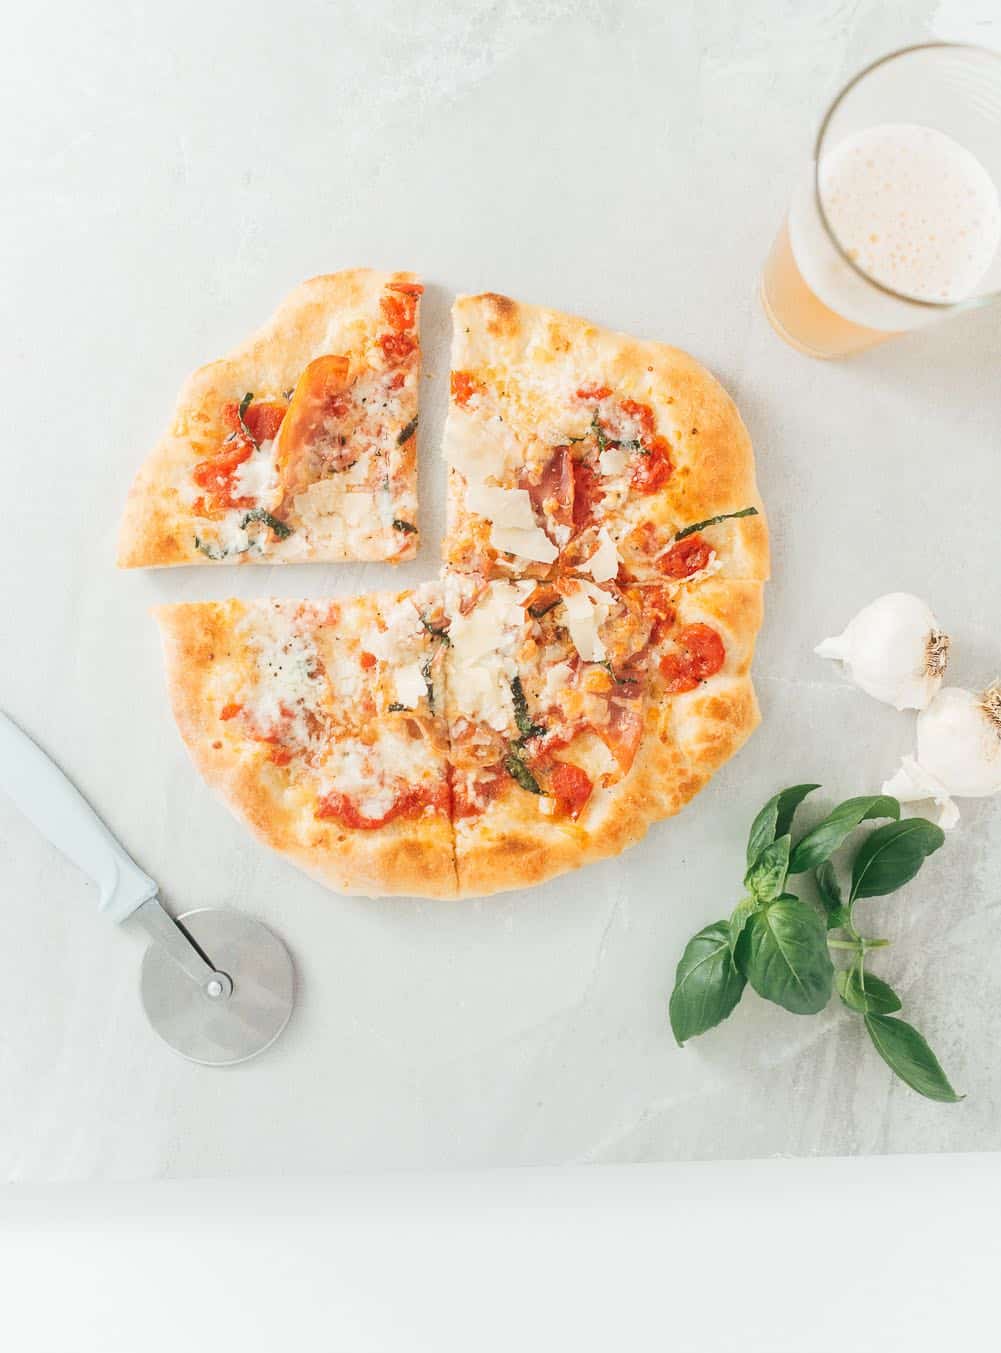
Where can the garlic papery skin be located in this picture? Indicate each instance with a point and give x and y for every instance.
(958, 751)
(893, 650)
(911, 784)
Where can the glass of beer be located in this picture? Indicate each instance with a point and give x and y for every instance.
(897, 222)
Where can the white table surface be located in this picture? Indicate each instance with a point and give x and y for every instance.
(171, 171)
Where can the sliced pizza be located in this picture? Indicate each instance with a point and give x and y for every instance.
(322, 724)
(300, 445)
(575, 449)
(579, 714)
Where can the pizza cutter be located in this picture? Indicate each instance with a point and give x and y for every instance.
(216, 984)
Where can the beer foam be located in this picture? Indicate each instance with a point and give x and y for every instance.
(913, 208)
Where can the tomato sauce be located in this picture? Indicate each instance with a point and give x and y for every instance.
(338, 807)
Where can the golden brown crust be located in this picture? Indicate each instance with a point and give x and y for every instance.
(204, 657)
(335, 313)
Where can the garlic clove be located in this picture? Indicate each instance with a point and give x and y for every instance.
(912, 783)
(893, 650)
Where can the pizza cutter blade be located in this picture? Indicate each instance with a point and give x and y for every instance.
(216, 985)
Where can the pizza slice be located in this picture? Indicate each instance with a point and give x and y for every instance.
(579, 714)
(300, 445)
(574, 449)
(322, 724)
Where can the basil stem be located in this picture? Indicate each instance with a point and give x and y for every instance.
(245, 404)
(519, 772)
(713, 521)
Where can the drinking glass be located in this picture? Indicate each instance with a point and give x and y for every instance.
(897, 222)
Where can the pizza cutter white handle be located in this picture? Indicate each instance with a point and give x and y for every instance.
(60, 812)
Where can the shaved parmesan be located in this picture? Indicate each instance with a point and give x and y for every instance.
(604, 563)
(586, 610)
(513, 529)
(410, 685)
(505, 507)
(534, 545)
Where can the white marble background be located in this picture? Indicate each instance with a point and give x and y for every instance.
(169, 171)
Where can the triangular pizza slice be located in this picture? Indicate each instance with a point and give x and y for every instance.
(300, 445)
(573, 449)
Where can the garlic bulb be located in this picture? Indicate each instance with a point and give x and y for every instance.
(894, 650)
(958, 752)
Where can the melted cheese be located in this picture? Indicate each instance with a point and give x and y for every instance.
(613, 460)
(290, 681)
(373, 775)
(257, 477)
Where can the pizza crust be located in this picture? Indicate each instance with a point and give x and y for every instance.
(336, 313)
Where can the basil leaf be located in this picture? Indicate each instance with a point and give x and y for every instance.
(519, 772)
(739, 917)
(905, 1052)
(599, 432)
(245, 404)
(825, 838)
(526, 727)
(830, 895)
(407, 527)
(892, 855)
(281, 529)
(767, 875)
(707, 985)
(438, 631)
(407, 432)
(713, 521)
(210, 551)
(876, 997)
(775, 819)
(783, 954)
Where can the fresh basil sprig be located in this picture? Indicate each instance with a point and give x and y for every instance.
(781, 945)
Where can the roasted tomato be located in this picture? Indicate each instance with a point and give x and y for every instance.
(571, 788)
(653, 469)
(700, 653)
(685, 557)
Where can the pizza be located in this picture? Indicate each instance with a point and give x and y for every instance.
(578, 671)
(301, 445)
(574, 449)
